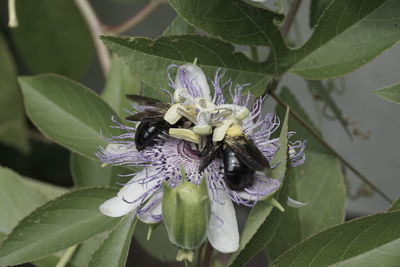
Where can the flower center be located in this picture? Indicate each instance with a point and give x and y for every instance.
(188, 150)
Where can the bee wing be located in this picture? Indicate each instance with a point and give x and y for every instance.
(247, 152)
(148, 115)
(148, 101)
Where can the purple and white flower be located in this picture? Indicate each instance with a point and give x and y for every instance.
(162, 161)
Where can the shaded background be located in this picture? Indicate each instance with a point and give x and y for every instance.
(375, 154)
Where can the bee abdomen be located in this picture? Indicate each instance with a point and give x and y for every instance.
(237, 175)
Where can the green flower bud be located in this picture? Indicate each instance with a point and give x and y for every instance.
(186, 211)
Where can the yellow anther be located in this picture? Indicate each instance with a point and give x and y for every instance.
(184, 134)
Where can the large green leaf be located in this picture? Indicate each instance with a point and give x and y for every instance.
(89, 172)
(235, 21)
(348, 35)
(19, 197)
(13, 130)
(114, 250)
(395, 205)
(59, 224)
(53, 37)
(159, 246)
(247, 24)
(178, 26)
(48, 190)
(120, 82)
(67, 112)
(390, 93)
(318, 182)
(367, 241)
(260, 228)
(150, 59)
(81, 256)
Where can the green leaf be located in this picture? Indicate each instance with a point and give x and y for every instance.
(178, 26)
(59, 224)
(13, 129)
(81, 256)
(316, 9)
(18, 198)
(319, 182)
(262, 223)
(49, 191)
(390, 93)
(43, 46)
(120, 82)
(372, 240)
(348, 35)
(318, 88)
(150, 59)
(234, 21)
(114, 250)
(89, 172)
(159, 246)
(67, 112)
(395, 205)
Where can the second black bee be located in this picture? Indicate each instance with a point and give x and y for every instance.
(240, 156)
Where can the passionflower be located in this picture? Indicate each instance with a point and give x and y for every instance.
(174, 157)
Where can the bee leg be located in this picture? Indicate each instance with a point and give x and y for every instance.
(210, 155)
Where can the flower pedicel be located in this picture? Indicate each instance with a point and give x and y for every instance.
(177, 151)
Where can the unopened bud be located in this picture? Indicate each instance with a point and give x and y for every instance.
(186, 211)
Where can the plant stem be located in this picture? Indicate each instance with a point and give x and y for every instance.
(12, 14)
(294, 7)
(324, 143)
(66, 257)
(136, 19)
(206, 258)
(95, 28)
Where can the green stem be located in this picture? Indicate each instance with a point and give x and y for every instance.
(137, 18)
(294, 7)
(66, 257)
(324, 143)
(207, 255)
(188, 263)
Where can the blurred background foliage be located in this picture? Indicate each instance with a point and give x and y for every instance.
(54, 36)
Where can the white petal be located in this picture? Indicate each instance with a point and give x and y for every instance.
(116, 207)
(195, 76)
(260, 189)
(133, 190)
(155, 211)
(222, 231)
(295, 203)
(119, 206)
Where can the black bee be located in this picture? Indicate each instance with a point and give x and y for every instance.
(152, 121)
(241, 158)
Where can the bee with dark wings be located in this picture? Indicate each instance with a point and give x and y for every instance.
(153, 120)
(241, 158)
